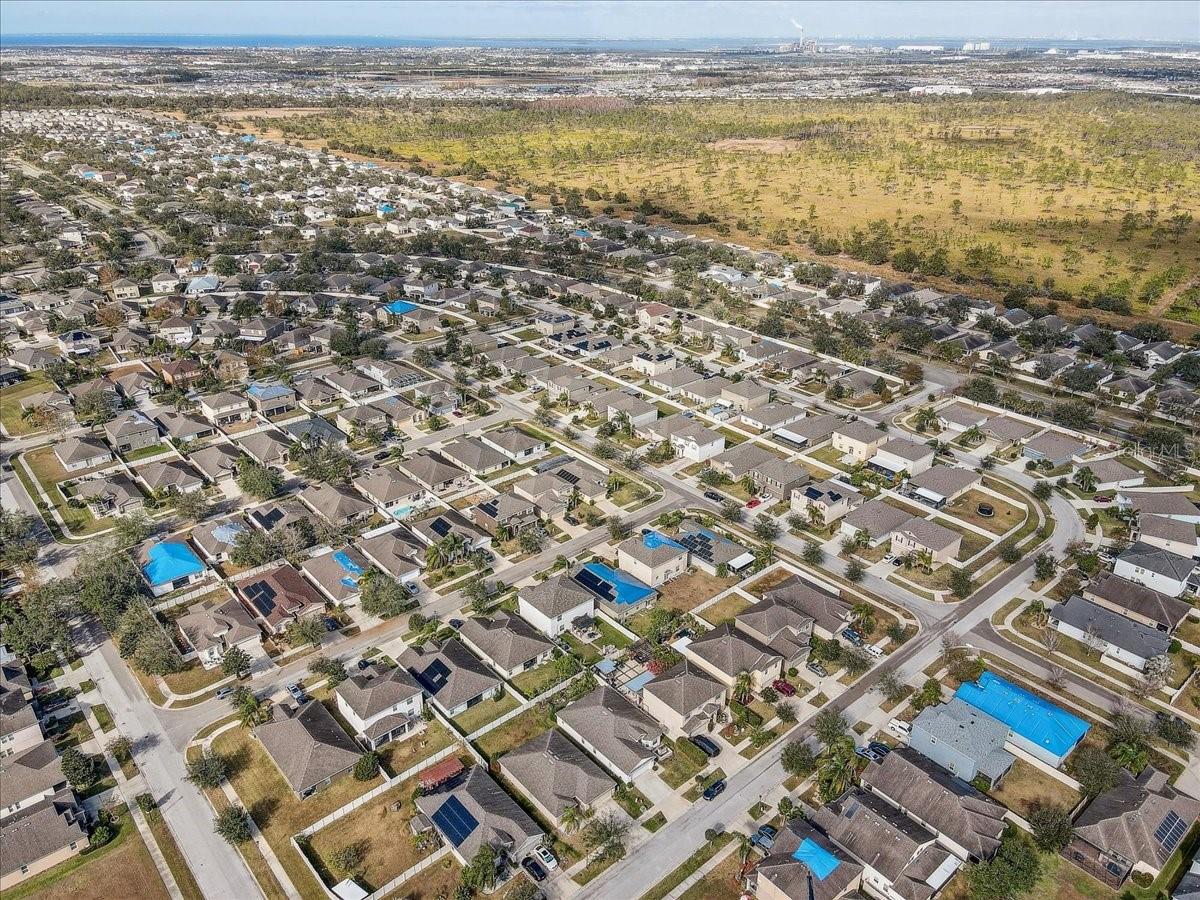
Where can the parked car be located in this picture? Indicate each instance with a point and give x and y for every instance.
(882, 749)
(817, 669)
(868, 754)
(364, 664)
(457, 414)
(713, 496)
(297, 691)
(890, 558)
(1103, 498)
(899, 727)
(874, 651)
(786, 688)
(764, 838)
(224, 693)
(533, 869)
(853, 637)
(898, 561)
(382, 454)
(688, 414)
(714, 790)
(546, 857)
(707, 745)
(754, 501)
(412, 587)
(455, 623)
(331, 624)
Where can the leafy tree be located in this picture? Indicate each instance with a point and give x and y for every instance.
(531, 540)
(1174, 730)
(813, 554)
(1044, 566)
(131, 530)
(207, 771)
(192, 507)
(41, 621)
(855, 571)
(367, 766)
(95, 408)
(381, 595)
(786, 711)
(260, 482)
(1012, 872)
(960, 583)
(829, 725)
(929, 694)
(348, 859)
(236, 662)
(891, 687)
(334, 670)
(731, 511)
(80, 769)
(1095, 770)
(309, 630)
(250, 709)
(766, 528)
(18, 539)
(480, 873)
(326, 463)
(1042, 490)
(605, 836)
(233, 824)
(1051, 826)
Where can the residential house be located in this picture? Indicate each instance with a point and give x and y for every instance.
(279, 596)
(217, 537)
(271, 399)
(474, 456)
(451, 676)
(514, 443)
(337, 574)
(434, 472)
(711, 552)
(389, 489)
(20, 728)
(873, 522)
(337, 504)
(214, 627)
(78, 453)
(267, 448)
(1158, 569)
(926, 541)
(508, 643)
(725, 652)
(685, 699)
(900, 457)
(41, 836)
(225, 409)
(307, 745)
(171, 477)
(1054, 449)
(1137, 602)
(652, 557)
(505, 514)
(113, 494)
(381, 705)
(555, 603)
(556, 775)
(779, 626)
(830, 615)
(183, 428)
(939, 485)
(181, 373)
(622, 737)
(1176, 537)
(824, 502)
(963, 740)
(130, 431)
(1117, 638)
(1135, 826)
(477, 811)
(397, 553)
(803, 864)
(858, 440)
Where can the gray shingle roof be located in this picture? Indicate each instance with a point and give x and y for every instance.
(556, 773)
(1131, 636)
(307, 744)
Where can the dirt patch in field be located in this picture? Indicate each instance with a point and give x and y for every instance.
(758, 145)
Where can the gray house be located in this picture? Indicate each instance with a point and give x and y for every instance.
(962, 740)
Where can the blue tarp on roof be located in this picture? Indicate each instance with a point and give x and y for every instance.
(819, 860)
(169, 560)
(652, 540)
(1038, 721)
(227, 532)
(267, 391)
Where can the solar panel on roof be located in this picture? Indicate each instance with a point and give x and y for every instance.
(262, 595)
(595, 584)
(1170, 831)
(569, 477)
(435, 676)
(454, 821)
(440, 527)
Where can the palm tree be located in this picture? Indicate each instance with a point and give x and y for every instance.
(925, 418)
(837, 770)
(571, 819)
(1085, 478)
(742, 686)
(251, 710)
(745, 847)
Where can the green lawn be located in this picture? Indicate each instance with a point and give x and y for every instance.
(481, 714)
(145, 452)
(11, 397)
(516, 731)
(680, 768)
(536, 681)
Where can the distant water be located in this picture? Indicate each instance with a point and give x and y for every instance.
(284, 41)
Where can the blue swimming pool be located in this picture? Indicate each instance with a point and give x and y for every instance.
(401, 511)
(636, 684)
(612, 584)
(399, 307)
(169, 561)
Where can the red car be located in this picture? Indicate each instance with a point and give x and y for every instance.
(754, 501)
(1103, 498)
(784, 687)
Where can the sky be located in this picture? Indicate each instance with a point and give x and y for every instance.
(614, 19)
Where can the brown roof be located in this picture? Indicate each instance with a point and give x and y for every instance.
(307, 744)
(39, 830)
(826, 610)
(1119, 592)
(370, 694)
(280, 594)
(1127, 819)
(556, 773)
(31, 772)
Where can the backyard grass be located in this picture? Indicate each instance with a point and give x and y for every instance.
(400, 756)
(145, 452)
(1025, 787)
(275, 808)
(533, 682)
(380, 830)
(515, 732)
(610, 635)
(972, 542)
(48, 472)
(771, 580)
(586, 652)
(71, 731)
(689, 591)
(965, 507)
(121, 868)
(471, 720)
(725, 609)
(829, 457)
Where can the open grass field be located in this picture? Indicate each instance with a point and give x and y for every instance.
(1026, 787)
(1085, 189)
